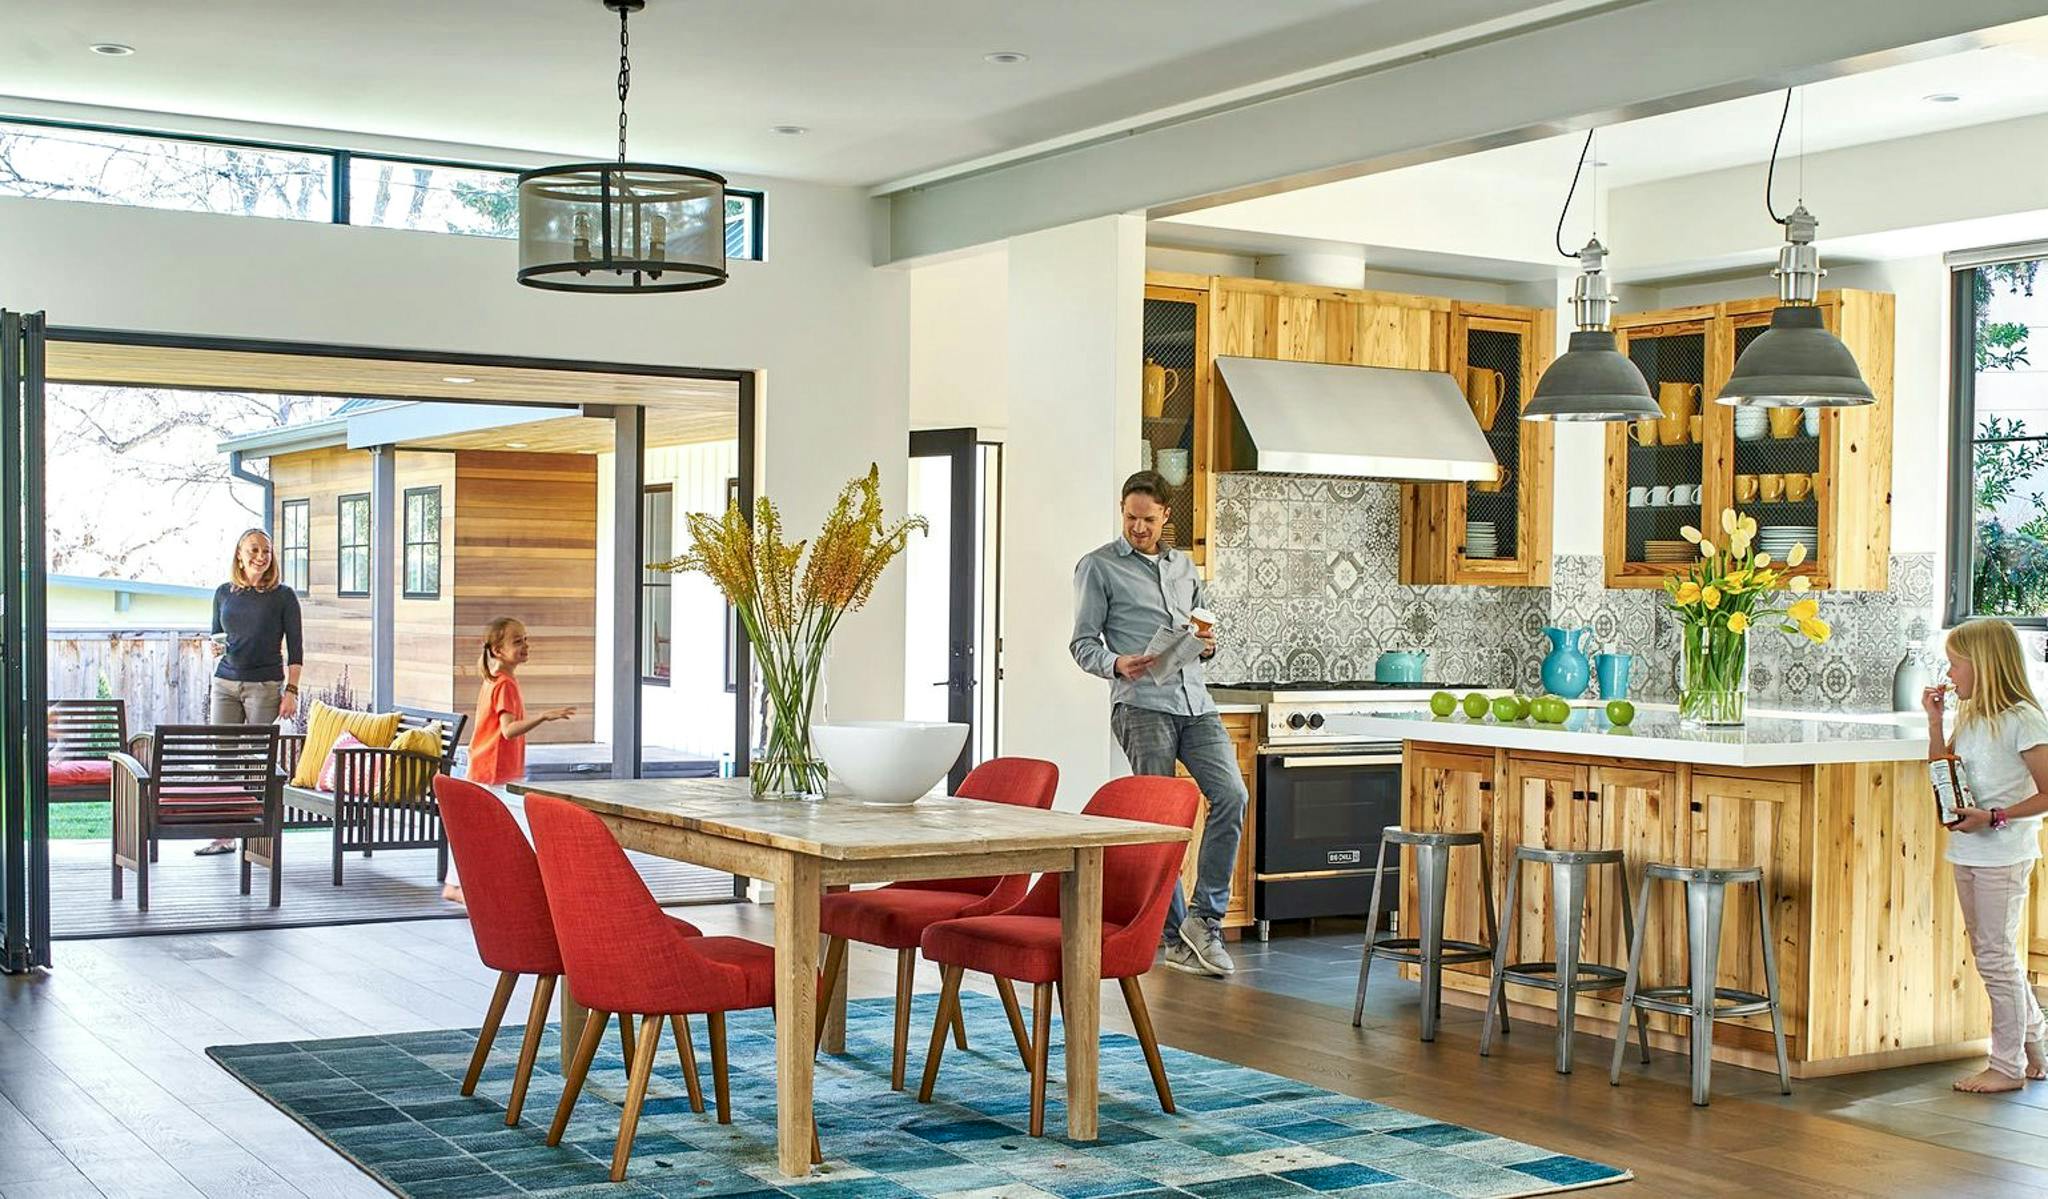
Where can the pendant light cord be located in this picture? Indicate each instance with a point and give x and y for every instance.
(1559, 236)
(625, 79)
(1771, 177)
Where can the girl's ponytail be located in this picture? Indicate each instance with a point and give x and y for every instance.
(493, 634)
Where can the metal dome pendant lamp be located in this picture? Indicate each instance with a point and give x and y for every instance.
(1796, 363)
(621, 227)
(1591, 380)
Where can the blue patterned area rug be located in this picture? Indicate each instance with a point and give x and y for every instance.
(390, 1104)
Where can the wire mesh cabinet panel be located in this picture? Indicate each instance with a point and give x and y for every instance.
(1656, 469)
(1176, 419)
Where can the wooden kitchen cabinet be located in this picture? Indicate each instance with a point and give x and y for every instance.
(1455, 792)
(1505, 350)
(1177, 418)
(1243, 728)
(1849, 458)
(1754, 821)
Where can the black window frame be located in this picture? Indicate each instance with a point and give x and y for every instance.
(342, 545)
(340, 160)
(408, 545)
(655, 584)
(286, 551)
(1959, 598)
(732, 614)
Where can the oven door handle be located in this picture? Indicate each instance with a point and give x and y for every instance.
(1292, 762)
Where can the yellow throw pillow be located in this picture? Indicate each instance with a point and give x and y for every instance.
(373, 729)
(425, 739)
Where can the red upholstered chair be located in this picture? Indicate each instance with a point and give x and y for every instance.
(508, 916)
(895, 916)
(623, 955)
(1023, 943)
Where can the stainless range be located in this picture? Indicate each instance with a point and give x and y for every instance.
(1324, 794)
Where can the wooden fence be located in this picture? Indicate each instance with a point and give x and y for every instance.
(164, 675)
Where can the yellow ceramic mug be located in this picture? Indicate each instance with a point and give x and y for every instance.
(1785, 421)
(1644, 431)
(1679, 401)
(1772, 486)
(1798, 487)
(1694, 427)
(1745, 488)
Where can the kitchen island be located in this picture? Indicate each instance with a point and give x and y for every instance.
(1872, 957)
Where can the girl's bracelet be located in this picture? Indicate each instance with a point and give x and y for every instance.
(1999, 818)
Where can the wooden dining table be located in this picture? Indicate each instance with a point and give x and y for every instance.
(805, 847)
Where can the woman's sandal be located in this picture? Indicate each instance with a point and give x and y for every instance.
(210, 850)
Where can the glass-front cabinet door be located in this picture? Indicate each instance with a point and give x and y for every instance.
(1174, 385)
(1774, 466)
(1497, 540)
(1657, 481)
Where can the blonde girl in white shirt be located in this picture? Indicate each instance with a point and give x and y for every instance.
(2001, 734)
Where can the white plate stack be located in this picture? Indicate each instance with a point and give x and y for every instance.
(1481, 540)
(1778, 540)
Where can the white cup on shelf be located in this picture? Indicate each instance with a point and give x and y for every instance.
(1638, 497)
(1660, 496)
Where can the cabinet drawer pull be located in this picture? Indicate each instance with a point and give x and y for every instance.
(1696, 806)
(1486, 784)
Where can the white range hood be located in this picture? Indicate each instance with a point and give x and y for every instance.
(1368, 422)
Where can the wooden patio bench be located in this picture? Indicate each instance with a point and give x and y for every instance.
(382, 798)
(203, 781)
(84, 734)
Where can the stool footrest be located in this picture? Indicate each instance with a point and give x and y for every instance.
(1592, 976)
(1409, 949)
(1677, 1001)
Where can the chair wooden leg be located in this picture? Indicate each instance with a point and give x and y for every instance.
(579, 1069)
(959, 1026)
(636, 1092)
(686, 1053)
(949, 994)
(834, 977)
(529, 1048)
(277, 869)
(1041, 1038)
(627, 1049)
(242, 857)
(499, 998)
(719, 1081)
(1141, 1019)
(1008, 991)
(906, 970)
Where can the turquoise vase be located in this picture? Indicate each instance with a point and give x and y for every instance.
(1567, 671)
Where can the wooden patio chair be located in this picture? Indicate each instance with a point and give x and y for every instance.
(382, 798)
(84, 734)
(203, 781)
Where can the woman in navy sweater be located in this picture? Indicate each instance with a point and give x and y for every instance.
(258, 637)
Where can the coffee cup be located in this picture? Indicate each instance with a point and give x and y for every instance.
(1645, 432)
(1687, 494)
(1172, 466)
(1772, 487)
(1694, 426)
(1660, 497)
(1639, 497)
(1745, 488)
(1785, 421)
(1798, 487)
(1201, 620)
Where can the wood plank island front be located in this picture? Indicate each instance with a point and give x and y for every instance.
(1873, 961)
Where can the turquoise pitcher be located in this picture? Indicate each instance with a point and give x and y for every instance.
(1567, 671)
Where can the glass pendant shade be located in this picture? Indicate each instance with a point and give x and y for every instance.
(621, 227)
(1796, 363)
(1592, 381)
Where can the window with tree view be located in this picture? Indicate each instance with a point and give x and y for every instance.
(2000, 526)
(352, 542)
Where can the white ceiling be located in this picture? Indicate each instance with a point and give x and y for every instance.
(1504, 202)
(887, 88)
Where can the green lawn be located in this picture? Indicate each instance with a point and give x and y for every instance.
(81, 821)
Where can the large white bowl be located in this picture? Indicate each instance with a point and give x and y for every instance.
(888, 761)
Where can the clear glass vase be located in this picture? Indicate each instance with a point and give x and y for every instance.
(787, 766)
(1714, 679)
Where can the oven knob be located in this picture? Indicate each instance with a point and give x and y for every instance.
(1298, 721)
(1315, 721)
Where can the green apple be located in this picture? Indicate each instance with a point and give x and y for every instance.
(1443, 703)
(1476, 706)
(1506, 710)
(1620, 711)
(1521, 707)
(1551, 709)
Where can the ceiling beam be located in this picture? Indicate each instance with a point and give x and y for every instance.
(1633, 59)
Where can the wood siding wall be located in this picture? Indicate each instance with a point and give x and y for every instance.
(525, 538)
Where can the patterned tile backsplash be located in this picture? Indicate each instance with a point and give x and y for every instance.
(1304, 586)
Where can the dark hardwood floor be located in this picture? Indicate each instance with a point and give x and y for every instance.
(104, 1089)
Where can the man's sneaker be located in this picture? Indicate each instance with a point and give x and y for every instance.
(1179, 956)
(1205, 938)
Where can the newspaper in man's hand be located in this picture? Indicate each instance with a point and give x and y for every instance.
(1171, 649)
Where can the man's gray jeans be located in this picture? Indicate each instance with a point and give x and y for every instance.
(1153, 741)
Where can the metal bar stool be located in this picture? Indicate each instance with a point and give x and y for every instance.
(1430, 950)
(1699, 1000)
(1567, 975)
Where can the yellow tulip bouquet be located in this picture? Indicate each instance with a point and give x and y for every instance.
(790, 607)
(1718, 601)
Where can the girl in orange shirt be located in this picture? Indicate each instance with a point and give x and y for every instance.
(497, 749)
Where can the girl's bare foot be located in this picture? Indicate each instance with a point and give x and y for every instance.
(452, 892)
(1988, 1082)
(2037, 1062)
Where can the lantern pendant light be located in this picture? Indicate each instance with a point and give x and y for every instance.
(1796, 363)
(621, 227)
(1591, 380)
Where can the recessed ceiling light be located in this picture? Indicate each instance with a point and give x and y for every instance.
(457, 379)
(789, 130)
(515, 445)
(1941, 98)
(1005, 58)
(112, 49)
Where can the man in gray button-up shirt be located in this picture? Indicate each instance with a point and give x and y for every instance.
(1124, 593)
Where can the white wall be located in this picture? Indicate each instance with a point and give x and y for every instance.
(960, 341)
(1076, 303)
(825, 329)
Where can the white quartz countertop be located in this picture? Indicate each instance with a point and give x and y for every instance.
(1769, 738)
